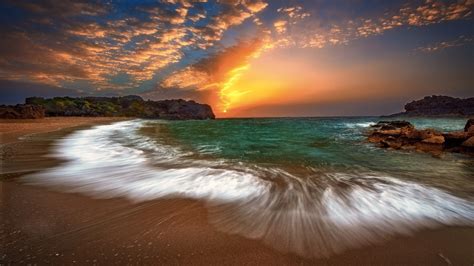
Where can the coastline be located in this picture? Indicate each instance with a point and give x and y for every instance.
(25, 142)
(43, 226)
(13, 129)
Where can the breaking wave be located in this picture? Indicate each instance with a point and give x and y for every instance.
(314, 213)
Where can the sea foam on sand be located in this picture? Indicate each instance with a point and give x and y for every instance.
(314, 217)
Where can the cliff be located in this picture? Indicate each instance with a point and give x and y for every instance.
(439, 106)
(128, 106)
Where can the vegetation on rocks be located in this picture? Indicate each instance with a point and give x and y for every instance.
(128, 106)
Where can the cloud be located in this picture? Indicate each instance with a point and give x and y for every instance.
(219, 71)
(280, 26)
(13, 92)
(293, 28)
(255, 6)
(294, 12)
(94, 42)
(317, 35)
(89, 41)
(438, 46)
(64, 8)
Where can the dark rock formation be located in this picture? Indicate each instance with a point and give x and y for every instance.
(22, 111)
(129, 106)
(439, 106)
(469, 125)
(177, 109)
(403, 135)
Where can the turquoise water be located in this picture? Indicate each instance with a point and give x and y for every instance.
(318, 143)
(312, 186)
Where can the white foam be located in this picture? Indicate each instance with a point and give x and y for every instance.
(321, 219)
(101, 166)
(362, 124)
(311, 216)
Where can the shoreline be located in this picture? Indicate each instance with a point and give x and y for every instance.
(40, 225)
(14, 129)
(24, 143)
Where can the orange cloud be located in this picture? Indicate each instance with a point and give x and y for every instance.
(220, 72)
(96, 50)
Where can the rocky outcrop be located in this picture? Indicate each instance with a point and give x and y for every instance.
(129, 106)
(469, 127)
(178, 110)
(403, 135)
(21, 111)
(439, 106)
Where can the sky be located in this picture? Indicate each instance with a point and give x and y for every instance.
(246, 58)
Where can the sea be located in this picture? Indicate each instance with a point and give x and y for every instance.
(310, 186)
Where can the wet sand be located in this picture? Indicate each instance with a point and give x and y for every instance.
(39, 225)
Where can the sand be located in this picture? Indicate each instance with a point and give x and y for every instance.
(13, 129)
(39, 225)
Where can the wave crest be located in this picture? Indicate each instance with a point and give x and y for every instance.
(313, 216)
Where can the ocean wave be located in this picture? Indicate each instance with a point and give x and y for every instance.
(360, 124)
(114, 161)
(345, 211)
(315, 214)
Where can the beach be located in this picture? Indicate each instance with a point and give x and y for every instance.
(42, 224)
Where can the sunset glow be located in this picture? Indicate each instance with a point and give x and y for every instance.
(237, 132)
(245, 58)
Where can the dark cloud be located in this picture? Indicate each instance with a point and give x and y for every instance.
(95, 41)
(13, 92)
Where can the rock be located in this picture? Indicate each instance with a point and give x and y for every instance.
(456, 135)
(393, 128)
(390, 131)
(391, 142)
(402, 135)
(428, 133)
(469, 143)
(453, 139)
(434, 140)
(394, 124)
(469, 125)
(411, 134)
(376, 138)
(22, 111)
(429, 147)
(470, 131)
(439, 106)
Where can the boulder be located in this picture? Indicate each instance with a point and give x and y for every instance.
(456, 135)
(376, 138)
(428, 133)
(394, 124)
(387, 130)
(469, 125)
(402, 135)
(469, 143)
(391, 142)
(393, 128)
(429, 147)
(434, 140)
(453, 139)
